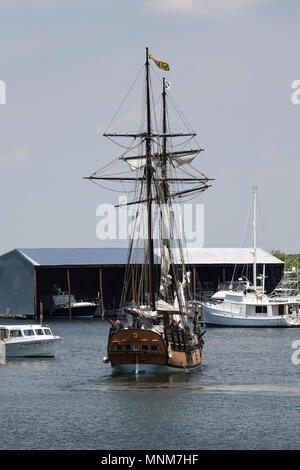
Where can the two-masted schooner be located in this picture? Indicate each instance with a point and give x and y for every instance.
(158, 327)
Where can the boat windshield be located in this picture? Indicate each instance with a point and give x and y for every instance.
(47, 331)
(235, 285)
(15, 333)
(62, 300)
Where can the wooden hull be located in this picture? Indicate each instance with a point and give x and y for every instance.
(141, 350)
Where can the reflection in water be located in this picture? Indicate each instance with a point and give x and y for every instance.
(39, 363)
(179, 382)
(144, 382)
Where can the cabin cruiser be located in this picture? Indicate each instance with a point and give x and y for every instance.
(61, 304)
(251, 307)
(241, 303)
(28, 340)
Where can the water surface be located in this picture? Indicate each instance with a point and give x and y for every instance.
(246, 395)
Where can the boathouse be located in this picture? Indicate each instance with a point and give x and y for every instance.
(28, 276)
(215, 265)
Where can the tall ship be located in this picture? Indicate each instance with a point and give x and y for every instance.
(159, 327)
(245, 304)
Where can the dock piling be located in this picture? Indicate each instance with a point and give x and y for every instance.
(2, 353)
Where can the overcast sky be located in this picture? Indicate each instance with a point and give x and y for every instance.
(67, 64)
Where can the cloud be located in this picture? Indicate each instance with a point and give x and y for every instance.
(16, 155)
(205, 8)
(6, 5)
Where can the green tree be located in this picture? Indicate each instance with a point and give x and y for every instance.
(291, 261)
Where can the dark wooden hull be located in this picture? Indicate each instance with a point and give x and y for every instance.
(142, 350)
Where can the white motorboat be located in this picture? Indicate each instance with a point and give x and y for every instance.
(62, 304)
(28, 340)
(251, 307)
(242, 304)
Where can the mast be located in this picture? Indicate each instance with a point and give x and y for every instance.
(164, 156)
(264, 279)
(254, 188)
(156, 187)
(165, 185)
(148, 171)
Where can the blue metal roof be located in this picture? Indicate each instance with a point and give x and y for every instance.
(80, 256)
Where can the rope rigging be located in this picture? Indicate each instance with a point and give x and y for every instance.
(166, 169)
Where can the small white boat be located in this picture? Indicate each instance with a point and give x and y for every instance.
(28, 340)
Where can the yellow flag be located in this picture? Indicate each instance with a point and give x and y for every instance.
(161, 65)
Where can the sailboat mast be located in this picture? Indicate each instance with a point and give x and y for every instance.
(149, 189)
(254, 237)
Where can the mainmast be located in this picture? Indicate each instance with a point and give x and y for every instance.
(164, 147)
(148, 174)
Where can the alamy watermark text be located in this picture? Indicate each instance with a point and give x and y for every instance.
(2, 92)
(295, 97)
(182, 221)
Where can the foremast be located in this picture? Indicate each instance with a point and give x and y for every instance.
(148, 175)
(172, 282)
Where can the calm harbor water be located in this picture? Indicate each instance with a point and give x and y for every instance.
(245, 396)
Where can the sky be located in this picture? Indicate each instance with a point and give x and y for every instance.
(67, 65)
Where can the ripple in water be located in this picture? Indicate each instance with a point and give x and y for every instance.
(177, 383)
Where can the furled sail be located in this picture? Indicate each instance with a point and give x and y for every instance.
(163, 306)
(180, 295)
(165, 260)
(183, 158)
(165, 277)
(175, 158)
(136, 163)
